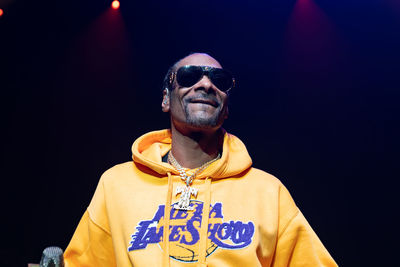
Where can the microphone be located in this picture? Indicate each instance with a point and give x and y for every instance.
(52, 257)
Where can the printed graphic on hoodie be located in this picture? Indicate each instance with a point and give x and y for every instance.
(184, 232)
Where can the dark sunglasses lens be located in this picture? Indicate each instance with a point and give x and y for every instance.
(221, 79)
(188, 76)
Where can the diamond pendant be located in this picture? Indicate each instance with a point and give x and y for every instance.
(184, 201)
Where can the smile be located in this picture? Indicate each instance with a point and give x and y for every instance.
(204, 101)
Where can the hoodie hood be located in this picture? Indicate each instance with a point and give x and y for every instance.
(149, 149)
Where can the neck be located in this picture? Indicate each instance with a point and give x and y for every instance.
(194, 148)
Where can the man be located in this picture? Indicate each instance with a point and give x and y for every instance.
(196, 181)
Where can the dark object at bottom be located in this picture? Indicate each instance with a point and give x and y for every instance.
(52, 257)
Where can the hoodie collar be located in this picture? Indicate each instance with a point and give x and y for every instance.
(149, 149)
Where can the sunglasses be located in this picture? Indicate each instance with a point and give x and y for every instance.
(189, 75)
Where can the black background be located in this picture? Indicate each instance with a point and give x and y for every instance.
(316, 103)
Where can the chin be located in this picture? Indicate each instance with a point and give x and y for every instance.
(204, 122)
(203, 119)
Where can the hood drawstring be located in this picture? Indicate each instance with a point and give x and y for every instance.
(203, 228)
(167, 212)
(204, 225)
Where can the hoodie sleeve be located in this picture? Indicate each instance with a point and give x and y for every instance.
(91, 244)
(297, 243)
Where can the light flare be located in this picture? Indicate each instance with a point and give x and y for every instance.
(115, 4)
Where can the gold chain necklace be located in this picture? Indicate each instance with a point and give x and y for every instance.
(187, 191)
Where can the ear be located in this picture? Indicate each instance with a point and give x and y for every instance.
(165, 101)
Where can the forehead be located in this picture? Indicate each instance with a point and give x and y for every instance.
(199, 60)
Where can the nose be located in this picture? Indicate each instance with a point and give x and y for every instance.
(204, 84)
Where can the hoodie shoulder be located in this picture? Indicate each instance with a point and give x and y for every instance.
(264, 176)
(118, 168)
(117, 172)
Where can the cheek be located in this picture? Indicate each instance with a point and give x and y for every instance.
(176, 105)
(225, 108)
(224, 100)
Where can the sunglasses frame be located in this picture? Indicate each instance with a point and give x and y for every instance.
(206, 70)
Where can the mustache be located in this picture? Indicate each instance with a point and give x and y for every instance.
(202, 97)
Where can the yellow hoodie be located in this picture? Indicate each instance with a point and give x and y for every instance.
(251, 218)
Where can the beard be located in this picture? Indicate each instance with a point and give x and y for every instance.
(202, 118)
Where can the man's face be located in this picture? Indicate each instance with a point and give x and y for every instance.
(201, 106)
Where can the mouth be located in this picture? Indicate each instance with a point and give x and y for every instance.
(204, 101)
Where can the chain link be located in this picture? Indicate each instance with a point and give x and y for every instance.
(189, 179)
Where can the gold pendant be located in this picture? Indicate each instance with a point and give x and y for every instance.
(184, 201)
